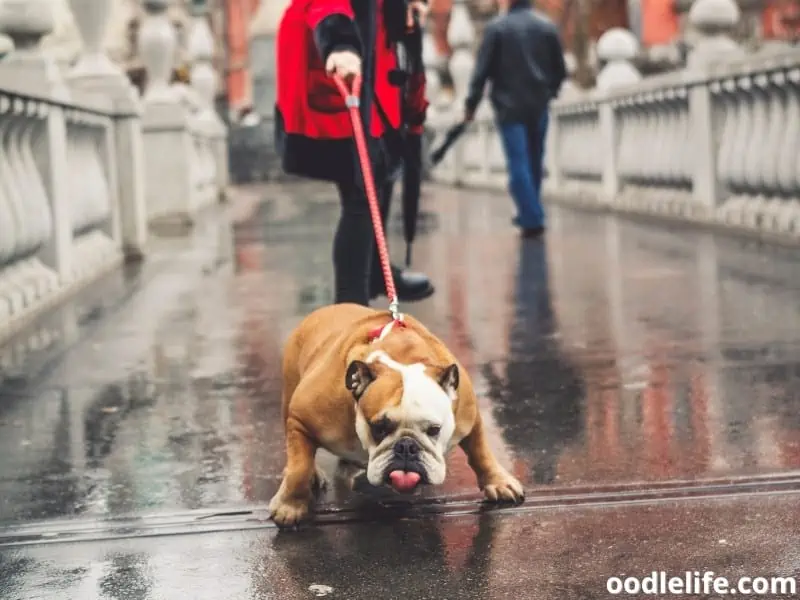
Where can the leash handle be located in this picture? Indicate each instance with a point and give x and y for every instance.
(351, 99)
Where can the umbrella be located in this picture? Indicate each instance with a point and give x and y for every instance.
(412, 184)
(450, 138)
(412, 148)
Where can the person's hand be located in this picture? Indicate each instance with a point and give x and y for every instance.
(418, 8)
(469, 115)
(344, 63)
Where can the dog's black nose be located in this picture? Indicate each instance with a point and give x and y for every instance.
(406, 448)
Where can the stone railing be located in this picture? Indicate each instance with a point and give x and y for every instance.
(59, 199)
(719, 147)
(716, 145)
(86, 165)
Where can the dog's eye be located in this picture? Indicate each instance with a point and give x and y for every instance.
(433, 431)
(381, 429)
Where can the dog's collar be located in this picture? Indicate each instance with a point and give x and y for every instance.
(378, 334)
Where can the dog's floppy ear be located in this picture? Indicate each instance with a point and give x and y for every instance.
(358, 378)
(448, 379)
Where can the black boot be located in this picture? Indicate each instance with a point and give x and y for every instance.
(410, 286)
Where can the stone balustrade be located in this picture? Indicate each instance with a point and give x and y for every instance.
(718, 147)
(86, 166)
(717, 142)
(59, 198)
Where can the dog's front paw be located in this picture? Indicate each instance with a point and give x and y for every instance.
(504, 487)
(288, 513)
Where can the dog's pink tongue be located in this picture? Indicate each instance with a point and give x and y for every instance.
(404, 481)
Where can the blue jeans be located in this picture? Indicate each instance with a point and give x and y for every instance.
(523, 144)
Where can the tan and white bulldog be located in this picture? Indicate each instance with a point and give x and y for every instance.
(388, 397)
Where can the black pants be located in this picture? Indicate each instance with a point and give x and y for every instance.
(356, 264)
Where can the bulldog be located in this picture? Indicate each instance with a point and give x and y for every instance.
(386, 396)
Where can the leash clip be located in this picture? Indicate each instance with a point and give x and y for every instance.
(394, 308)
(351, 101)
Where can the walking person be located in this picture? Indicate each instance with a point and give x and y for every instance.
(348, 38)
(522, 57)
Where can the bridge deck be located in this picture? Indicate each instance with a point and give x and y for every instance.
(643, 382)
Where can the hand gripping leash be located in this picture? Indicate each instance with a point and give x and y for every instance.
(351, 98)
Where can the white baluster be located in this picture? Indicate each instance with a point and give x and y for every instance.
(158, 44)
(775, 114)
(788, 161)
(27, 240)
(26, 22)
(728, 101)
(200, 47)
(794, 76)
(743, 132)
(758, 130)
(91, 18)
(7, 226)
(687, 162)
(9, 178)
(31, 136)
(98, 192)
(204, 81)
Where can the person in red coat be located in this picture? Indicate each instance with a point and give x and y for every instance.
(316, 40)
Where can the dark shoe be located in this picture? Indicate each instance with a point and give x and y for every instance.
(411, 286)
(532, 232)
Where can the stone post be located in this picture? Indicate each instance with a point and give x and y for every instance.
(713, 22)
(26, 22)
(171, 196)
(204, 81)
(263, 57)
(616, 48)
(94, 72)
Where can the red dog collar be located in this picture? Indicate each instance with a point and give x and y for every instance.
(379, 333)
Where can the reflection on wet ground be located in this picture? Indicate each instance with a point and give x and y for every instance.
(616, 362)
(558, 554)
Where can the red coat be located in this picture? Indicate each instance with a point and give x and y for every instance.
(311, 117)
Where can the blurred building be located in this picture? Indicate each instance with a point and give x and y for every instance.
(662, 27)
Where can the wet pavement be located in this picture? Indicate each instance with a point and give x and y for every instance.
(644, 383)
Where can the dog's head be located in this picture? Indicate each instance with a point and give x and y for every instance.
(404, 419)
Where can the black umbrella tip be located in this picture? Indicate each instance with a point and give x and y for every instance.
(408, 254)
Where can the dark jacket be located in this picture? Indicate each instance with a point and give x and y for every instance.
(313, 127)
(522, 56)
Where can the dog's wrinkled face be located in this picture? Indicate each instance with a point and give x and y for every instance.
(404, 419)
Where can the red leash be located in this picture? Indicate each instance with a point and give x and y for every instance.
(351, 98)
